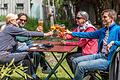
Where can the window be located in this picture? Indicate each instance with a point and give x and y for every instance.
(4, 6)
(20, 6)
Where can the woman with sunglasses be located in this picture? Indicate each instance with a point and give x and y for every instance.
(85, 46)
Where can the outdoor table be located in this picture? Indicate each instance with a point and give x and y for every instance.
(58, 48)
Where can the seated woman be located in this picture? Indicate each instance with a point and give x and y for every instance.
(85, 46)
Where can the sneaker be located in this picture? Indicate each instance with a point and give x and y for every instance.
(46, 71)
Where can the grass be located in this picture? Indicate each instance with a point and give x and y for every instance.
(60, 72)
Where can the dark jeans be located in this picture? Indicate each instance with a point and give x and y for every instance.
(7, 57)
(39, 57)
(30, 69)
(70, 57)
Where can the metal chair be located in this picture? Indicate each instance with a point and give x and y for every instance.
(114, 69)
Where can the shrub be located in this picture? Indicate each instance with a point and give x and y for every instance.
(31, 24)
(7, 71)
(2, 18)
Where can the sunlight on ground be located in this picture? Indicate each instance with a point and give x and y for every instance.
(60, 74)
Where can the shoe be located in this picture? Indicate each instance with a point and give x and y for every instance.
(46, 71)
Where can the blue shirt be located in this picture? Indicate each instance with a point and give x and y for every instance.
(114, 35)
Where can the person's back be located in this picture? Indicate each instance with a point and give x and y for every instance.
(6, 41)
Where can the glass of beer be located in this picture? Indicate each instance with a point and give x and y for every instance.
(52, 28)
(62, 28)
(57, 27)
(40, 26)
(40, 23)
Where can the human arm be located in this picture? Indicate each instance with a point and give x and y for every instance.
(15, 31)
(86, 34)
(96, 34)
(82, 41)
(48, 33)
(69, 36)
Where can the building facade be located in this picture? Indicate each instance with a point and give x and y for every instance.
(14, 6)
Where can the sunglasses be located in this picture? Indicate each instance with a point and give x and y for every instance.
(104, 16)
(79, 18)
(23, 20)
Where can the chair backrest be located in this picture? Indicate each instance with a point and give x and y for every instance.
(114, 69)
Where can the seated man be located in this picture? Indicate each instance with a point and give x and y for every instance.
(8, 41)
(25, 42)
(109, 40)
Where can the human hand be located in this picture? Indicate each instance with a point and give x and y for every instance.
(61, 35)
(40, 28)
(110, 45)
(57, 33)
(49, 33)
(68, 32)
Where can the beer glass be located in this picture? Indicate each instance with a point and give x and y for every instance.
(40, 26)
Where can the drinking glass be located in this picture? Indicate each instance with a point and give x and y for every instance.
(62, 28)
(57, 26)
(40, 26)
(52, 28)
(40, 23)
